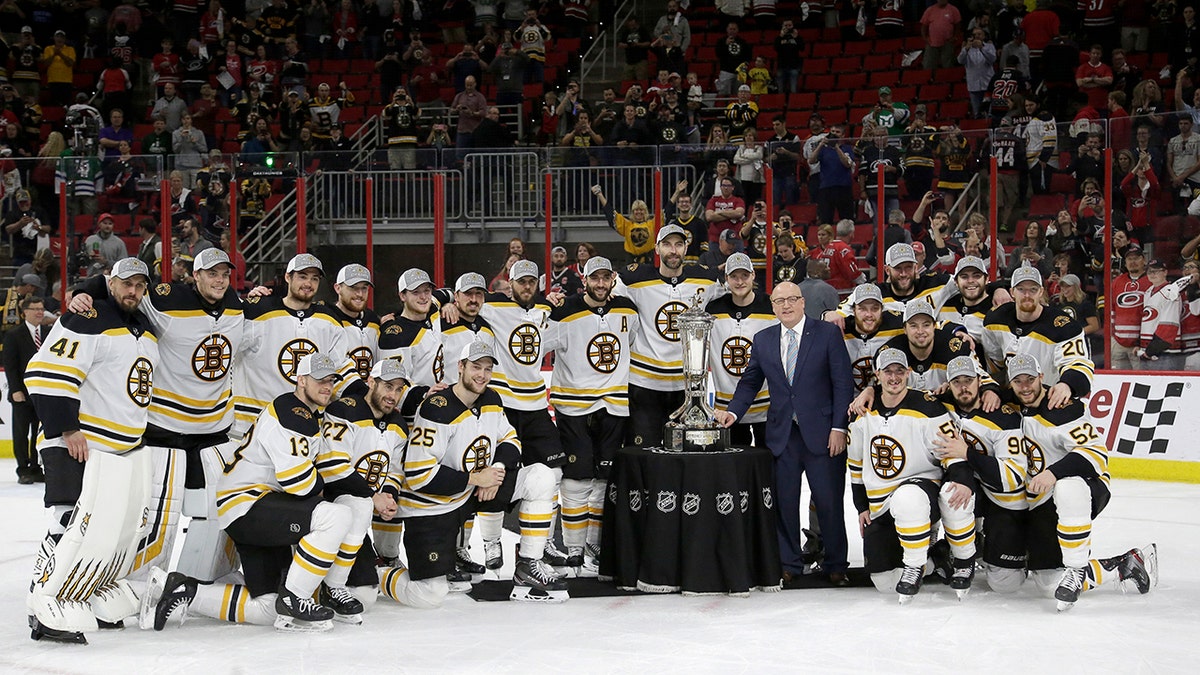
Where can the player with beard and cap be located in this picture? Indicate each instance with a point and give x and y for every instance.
(656, 364)
(563, 279)
(974, 299)
(1066, 489)
(1048, 334)
(872, 327)
(415, 334)
(903, 284)
(591, 336)
(360, 322)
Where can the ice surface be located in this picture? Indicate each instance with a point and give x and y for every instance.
(820, 631)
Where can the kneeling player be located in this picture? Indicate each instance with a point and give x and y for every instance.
(901, 494)
(463, 457)
(1067, 489)
(270, 500)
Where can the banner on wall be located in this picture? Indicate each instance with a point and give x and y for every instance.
(1148, 416)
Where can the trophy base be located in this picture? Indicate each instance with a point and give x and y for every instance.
(695, 439)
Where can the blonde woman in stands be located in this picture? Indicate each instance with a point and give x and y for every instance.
(749, 162)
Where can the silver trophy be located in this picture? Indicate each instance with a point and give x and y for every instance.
(692, 428)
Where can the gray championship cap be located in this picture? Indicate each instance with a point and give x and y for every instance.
(478, 349)
(596, 264)
(209, 258)
(1022, 364)
(469, 281)
(33, 280)
(1068, 280)
(127, 268)
(522, 269)
(864, 292)
(890, 357)
(305, 261)
(354, 274)
(970, 262)
(389, 369)
(1026, 273)
(317, 366)
(915, 308)
(738, 261)
(960, 366)
(669, 230)
(901, 253)
(413, 279)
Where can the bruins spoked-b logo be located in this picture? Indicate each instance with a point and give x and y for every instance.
(864, 373)
(373, 467)
(786, 273)
(735, 355)
(887, 457)
(974, 444)
(1037, 459)
(603, 352)
(439, 364)
(478, 455)
(140, 383)
(363, 360)
(211, 359)
(290, 355)
(665, 320)
(525, 344)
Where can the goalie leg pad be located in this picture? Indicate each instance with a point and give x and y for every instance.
(166, 498)
(207, 552)
(115, 602)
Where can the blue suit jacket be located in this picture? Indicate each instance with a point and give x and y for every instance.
(818, 395)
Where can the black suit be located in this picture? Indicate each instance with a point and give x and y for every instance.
(18, 350)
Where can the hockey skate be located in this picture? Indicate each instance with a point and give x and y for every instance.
(536, 581)
(1140, 566)
(964, 574)
(69, 613)
(813, 551)
(910, 583)
(301, 615)
(346, 608)
(554, 557)
(464, 563)
(165, 595)
(1068, 587)
(41, 632)
(493, 554)
(460, 581)
(575, 556)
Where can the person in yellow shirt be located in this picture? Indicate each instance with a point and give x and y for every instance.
(59, 62)
(638, 229)
(759, 78)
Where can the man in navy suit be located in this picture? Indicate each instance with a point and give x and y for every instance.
(807, 371)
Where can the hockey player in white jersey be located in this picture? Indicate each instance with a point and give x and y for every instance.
(464, 456)
(1066, 490)
(293, 539)
(900, 487)
(871, 328)
(415, 334)
(91, 383)
(361, 323)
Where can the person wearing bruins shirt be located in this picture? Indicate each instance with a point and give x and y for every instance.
(360, 322)
(91, 383)
(974, 300)
(279, 332)
(679, 213)
(929, 349)
(415, 334)
(871, 329)
(295, 532)
(788, 266)
(590, 335)
(900, 487)
(993, 444)
(400, 118)
(638, 229)
(737, 317)
(656, 363)
(1048, 334)
(326, 110)
(1066, 490)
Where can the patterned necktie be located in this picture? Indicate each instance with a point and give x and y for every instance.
(37, 337)
(793, 351)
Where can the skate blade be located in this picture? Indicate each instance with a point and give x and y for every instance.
(906, 599)
(526, 594)
(287, 624)
(962, 592)
(154, 590)
(352, 619)
(40, 632)
(1064, 606)
(1150, 560)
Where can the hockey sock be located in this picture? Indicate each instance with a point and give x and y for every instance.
(535, 516)
(575, 511)
(1073, 499)
(1101, 571)
(386, 535)
(231, 603)
(464, 533)
(397, 584)
(596, 511)
(910, 509)
(491, 525)
(959, 525)
(361, 509)
(313, 555)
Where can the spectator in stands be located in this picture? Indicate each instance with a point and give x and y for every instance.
(1041, 26)
(426, 79)
(954, 152)
(787, 265)
(978, 56)
(114, 85)
(889, 115)
(326, 111)
(1183, 163)
(668, 135)
(346, 33)
(204, 113)
(26, 54)
(1125, 74)
(534, 38)
(1094, 78)
(390, 67)
(727, 243)
(212, 25)
(584, 251)
(293, 67)
(721, 172)
(318, 27)
(1182, 78)
(637, 229)
(629, 134)
(725, 211)
(1065, 237)
(181, 197)
(158, 142)
(277, 23)
(1015, 49)
(508, 73)
(636, 43)
(190, 241)
(820, 296)
(832, 248)
(1148, 109)
(732, 52)
(1075, 301)
(170, 107)
(25, 225)
(294, 115)
(1034, 250)
(58, 60)
(194, 70)
(741, 114)
(939, 24)
(837, 169)
(1120, 125)
(784, 153)
(1142, 145)
(263, 71)
(165, 65)
(1140, 188)
(249, 109)
(466, 63)
(104, 246)
(788, 45)
(571, 105)
(150, 249)
(880, 155)
(677, 24)
(1088, 161)
(260, 144)
(749, 162)
(729, 12)
(1088, 210)
(400, 119)
(816, 134)
(1185, 40)
(190, 149)
(114, 134)
(492, 133)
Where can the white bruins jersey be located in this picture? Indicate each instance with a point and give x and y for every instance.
(356, 441)
(934, 288)
(1066, 440)
(95, 373)
(418, 344)
(657, 359)
(277, 454)
(520, 347)
(996, 452)
(956, 312)
(889, 447)
(862, 348)
(193, 392)
(591, 348)
(1054, 339)
(730, 345)
(325, 112)
(362, 338)
(455, 336)
(930, 373)
(450, 440)
(277, 338)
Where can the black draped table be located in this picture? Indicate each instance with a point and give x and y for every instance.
(691, 522)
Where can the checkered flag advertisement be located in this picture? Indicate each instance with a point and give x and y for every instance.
(1143, 417)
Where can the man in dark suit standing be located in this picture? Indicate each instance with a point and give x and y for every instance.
(807, 371)
(20, 344)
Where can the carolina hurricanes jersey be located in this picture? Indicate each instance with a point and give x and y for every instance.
(862, 347)
(657, 359)
(1066, 441)
(450, 440)
(356, 441)
(1189, 326)
(1054, 339)
(362, 338)
(729, 347)
(1127, 311)
(277, 337)
(418, 343)
(277, 454)
(996, 452)
(929, 373)
(455, 336)
(891, 446)
(591, 348)
(1161, 316)
(519, 347)
(95, 373)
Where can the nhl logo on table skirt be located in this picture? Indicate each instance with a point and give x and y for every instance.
(768, 498)
(691, 504)
(612, 493)
(666, 501)
(635, 500)
(725, 503)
